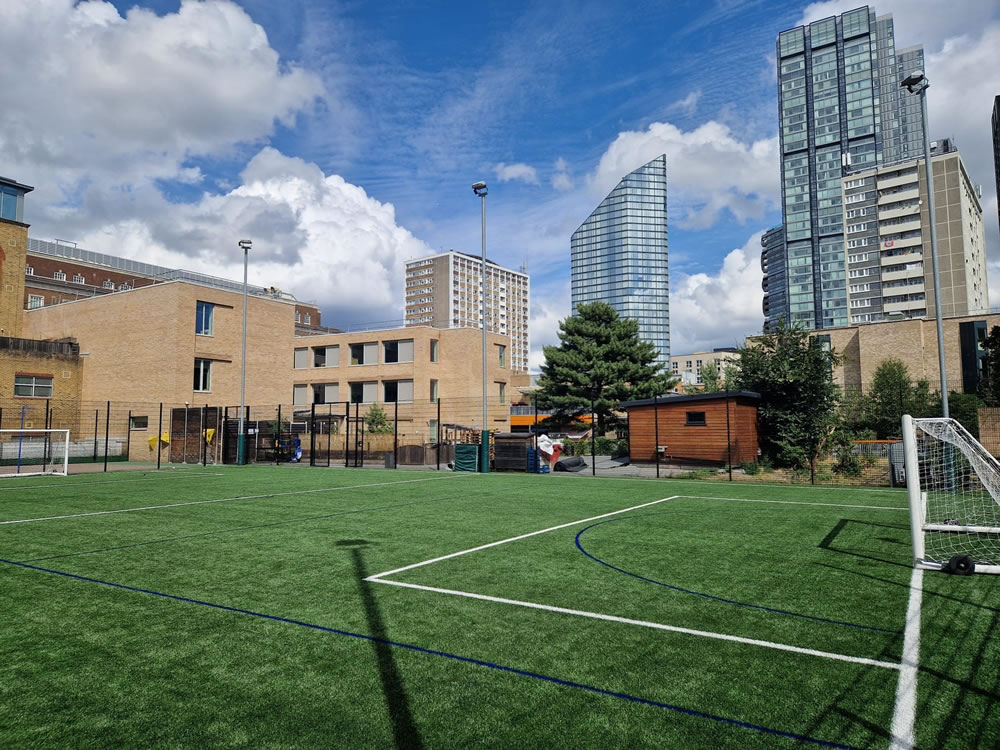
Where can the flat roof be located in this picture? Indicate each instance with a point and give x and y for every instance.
(14, 184)
(670, 398)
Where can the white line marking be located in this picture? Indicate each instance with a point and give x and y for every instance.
(791, 502)
(645, 624)
(514, 539)
(904, 715)
(748, 484)
(61, 485)
(226, 499)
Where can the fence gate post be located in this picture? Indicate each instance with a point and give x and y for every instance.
(107, 427)
(312, 434)
(395, 434)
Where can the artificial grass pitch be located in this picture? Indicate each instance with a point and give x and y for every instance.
(236, 606)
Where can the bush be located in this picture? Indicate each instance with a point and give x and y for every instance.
(752, 468)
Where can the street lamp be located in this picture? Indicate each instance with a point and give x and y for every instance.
(917, 83)
(241, 440)
(479, 188)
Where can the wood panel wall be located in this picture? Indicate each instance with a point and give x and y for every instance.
(695, 442)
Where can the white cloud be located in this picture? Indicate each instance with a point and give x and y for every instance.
(314, 235)
(688, 104)
(561, 179)
(709, 171)
(720, 309)
(546, 314)
(519, 171)
(107, 100)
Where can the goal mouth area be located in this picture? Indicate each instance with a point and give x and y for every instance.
(34, 452)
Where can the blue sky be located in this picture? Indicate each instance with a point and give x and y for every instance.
(344, 137)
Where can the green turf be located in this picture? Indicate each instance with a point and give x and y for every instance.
(89, 665)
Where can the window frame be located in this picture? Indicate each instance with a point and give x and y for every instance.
(40, 298)
(692, 420)
(35, 385)
(202, 367)
(204, 310)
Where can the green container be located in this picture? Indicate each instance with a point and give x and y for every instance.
(467, 457)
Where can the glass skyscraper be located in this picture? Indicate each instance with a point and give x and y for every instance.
(841, 111)
(773, 263)
(619, 254)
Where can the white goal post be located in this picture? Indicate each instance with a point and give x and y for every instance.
(30, 453)
(953, 484)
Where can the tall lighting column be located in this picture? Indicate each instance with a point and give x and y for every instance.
(917, 83)
(479, 189)
(241, 440)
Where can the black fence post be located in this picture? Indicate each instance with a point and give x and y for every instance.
(159, 434)
(347, 433)
(97, 413)
(395, 434)
(277, 437)
(729, 439)
(357, 429)
(656, 431)
(128, 437)
(46, 443)
(329, 434)
(361, 434)
(107, 428)
(437, 437)
(312, 434)
(204, 436)
(593, 440)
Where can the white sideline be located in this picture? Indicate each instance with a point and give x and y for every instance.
(905, 712)
(50, 485)
(645, 624)
(793, 502)
(226, 499)
(512, 539)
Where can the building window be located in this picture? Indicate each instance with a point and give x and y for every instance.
(299, 394)
(434, 391)
(29, 271)
(397, 351)
(300, 359)
(35, 301)
(138, 423)
(108, 284)
(203, 318)
(326, 356)
(434, 350)
(59, 276)
(502, 388)
(397, 390)
(325, 393)
(33, 386)
(364, 393)
(502, 355)
(434, 431)
(696, 418)
(78, 279)
(308, 319)
(364, 354)
(203, 375)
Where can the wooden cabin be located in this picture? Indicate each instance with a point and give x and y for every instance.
(710, 428)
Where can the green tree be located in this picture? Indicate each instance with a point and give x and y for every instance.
(600, 360)
(376, 421)
(990, 387)
(892, 394)
(712, 378)
(964, 408)
(793, 373)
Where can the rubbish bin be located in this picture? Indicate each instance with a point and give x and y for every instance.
(390, 460)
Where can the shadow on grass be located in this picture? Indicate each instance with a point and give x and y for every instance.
(829, 539)
(404, 729)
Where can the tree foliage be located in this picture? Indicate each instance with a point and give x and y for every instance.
(793, 374)
(990, 388)
(376, 421)
(600, 359)
(712, 378)
(892, 394)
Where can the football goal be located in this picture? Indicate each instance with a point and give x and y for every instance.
(954, 492)
(28, 453)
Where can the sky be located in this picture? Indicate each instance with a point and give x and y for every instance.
(343, 138)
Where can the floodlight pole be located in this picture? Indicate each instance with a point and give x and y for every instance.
(917, 83)
(241, 440)
(479, 189)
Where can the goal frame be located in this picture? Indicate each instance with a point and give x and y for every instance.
(59, 468)
(918, 504)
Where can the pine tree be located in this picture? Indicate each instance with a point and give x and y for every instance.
(599, 362)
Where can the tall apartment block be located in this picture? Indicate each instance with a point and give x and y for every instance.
(619, 254)
(841, 112)
(774, 284)
(887, 221)
(446, 291)
(996, 147)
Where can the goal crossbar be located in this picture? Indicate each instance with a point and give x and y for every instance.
(33, 452)
(953, 485)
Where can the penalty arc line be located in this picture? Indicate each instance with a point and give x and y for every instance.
(225, 499)
(905, 711)
(646, 624)
(377, 576)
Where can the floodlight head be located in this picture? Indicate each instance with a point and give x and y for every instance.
(915, 82)
(245, 245)
(479, 188)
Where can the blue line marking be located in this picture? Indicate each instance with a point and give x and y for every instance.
(454, 657)
(702, 594)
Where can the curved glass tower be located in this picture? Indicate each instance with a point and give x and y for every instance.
(619, 254)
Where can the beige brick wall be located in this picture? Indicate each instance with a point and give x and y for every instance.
(140, 345)
(67, 379)
(13, 251)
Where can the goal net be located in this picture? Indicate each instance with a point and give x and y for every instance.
(28, 453)
(954, 490)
